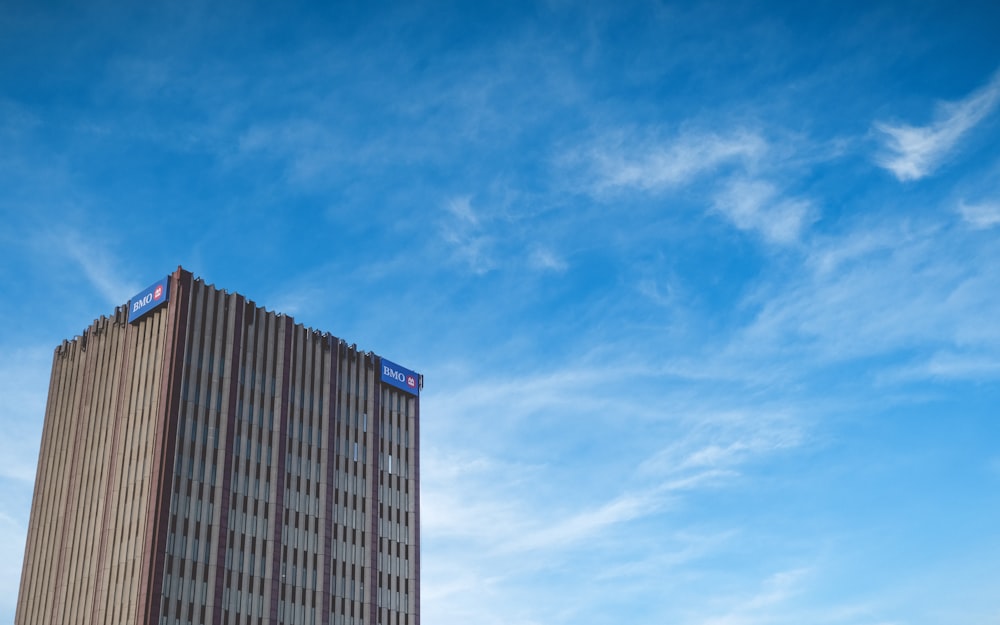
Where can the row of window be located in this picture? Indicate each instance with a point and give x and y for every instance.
(393, 531)
(393, 600)
(393, 497)
(397, 466)
(300, 429)
(394, 565)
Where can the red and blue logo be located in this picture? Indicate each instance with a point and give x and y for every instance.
(151, 297)
(400, 377)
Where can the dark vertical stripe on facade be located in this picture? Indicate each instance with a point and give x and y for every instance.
(225, 499)
(416, 506)
(374, 508)
(158, 515)
(332, 461)
(279, 501)
(232, 424)
(112, 484)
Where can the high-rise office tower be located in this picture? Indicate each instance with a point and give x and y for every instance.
(207, 462)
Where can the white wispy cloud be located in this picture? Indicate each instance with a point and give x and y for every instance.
(878, 290)
(454, 505)
(311, 148)
(629, 163)
(913, 152)
(99, 266)
(744, 160)
(587, 524)
(492, 534)
(465, 232)
(757, 206)
(546, 260)
(981, 216)
(495, 522)
(687, 546)
(948, 365)
(831, 255)
(662, 295)
(768, 604)
(557, 390)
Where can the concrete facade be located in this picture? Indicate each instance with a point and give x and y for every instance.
(215, 463)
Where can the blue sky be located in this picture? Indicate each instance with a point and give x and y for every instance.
(706, 295)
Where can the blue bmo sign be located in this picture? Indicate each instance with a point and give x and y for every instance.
(400, 377)
(148, 299)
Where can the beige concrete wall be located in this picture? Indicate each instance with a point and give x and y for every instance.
(93, 487)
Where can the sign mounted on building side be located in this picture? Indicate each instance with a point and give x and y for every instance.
(400, 377)
(148, 299)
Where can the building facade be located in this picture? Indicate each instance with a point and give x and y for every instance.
(207, 462)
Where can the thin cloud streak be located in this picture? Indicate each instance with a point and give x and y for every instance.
(755, 205)
(768, 605)
(874, 292)
(981, 216)
(629, 164)
(947, 365)
(98, 267)
(587, 525)
(546, 260)
(492, 503)
(464, 231)
(913, 152)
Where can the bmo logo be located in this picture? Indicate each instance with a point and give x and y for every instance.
(148, 299)
(409, 380)
(400, 377)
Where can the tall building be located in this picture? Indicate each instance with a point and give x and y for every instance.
(207, 462)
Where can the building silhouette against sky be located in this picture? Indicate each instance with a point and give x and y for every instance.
(205, 461)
